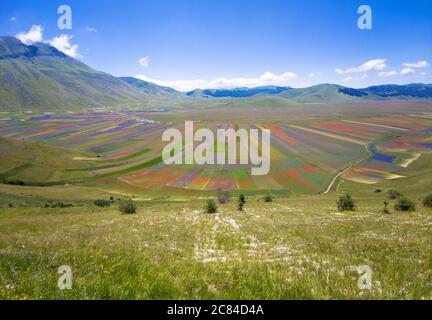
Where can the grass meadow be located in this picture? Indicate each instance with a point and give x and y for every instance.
(297, 248)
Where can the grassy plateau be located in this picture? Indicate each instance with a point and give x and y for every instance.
(298, 246)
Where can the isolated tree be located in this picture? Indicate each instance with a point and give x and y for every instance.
(210, 206)
(241, 202)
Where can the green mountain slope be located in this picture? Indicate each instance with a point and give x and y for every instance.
(152, 89)
(39, 77)
(37, 164)
(322, 93)
(413, 90)
(317, 94)
(236, 92)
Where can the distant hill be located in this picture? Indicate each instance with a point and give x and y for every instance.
(39, 77)
(322, 93)
(317, 94)
(237, 92)
(414, 90)
(152, 89)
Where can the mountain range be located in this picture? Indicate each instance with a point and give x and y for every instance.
(40, 77)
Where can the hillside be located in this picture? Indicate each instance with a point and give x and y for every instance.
(414, 90)
(317, 94)
(322, 93)
(152, 89)
(39, 77)
(236, 92)
(37, 164)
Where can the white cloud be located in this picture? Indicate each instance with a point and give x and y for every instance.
(418, 64)
(407, 71)
(351, 79)
(315, 74)
(387, 74)
(63, 44)
(265, 79)
(144, 61)
(91, 29)
(424, 74)
(12, 19)
(32, 36)
(371, 65)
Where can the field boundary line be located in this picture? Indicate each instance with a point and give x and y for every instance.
(375, 125)
(369, 154)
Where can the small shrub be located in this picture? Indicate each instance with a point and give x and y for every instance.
(393, 194)
(346, 203)
(241, 202)
(102, 203)
(59, 204)
(210, 206)
(427, 202)
(223, 196)
(386, 210)
(378, 190)
(268, 197)
(127, 207)
(404, 204)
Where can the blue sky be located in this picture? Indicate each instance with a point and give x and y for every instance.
(226, 43)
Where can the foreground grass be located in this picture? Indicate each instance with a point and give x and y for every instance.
(299, 248)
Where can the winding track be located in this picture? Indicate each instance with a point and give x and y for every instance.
(369, 154)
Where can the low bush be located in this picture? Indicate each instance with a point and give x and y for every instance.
(386, 210)
(102, 203)
(59, 204)
(210, 206)
(127, 207)
(346, 203)
(223, 196)
(268, 197)
(427, 202)
(404, 204)
(393, 194)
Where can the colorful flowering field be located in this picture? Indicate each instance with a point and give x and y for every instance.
(123, 150)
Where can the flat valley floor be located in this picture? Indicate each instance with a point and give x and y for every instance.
(300, 246)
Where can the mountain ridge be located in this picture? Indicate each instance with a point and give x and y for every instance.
(41, 78)
(151, 88)
(325, 92)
